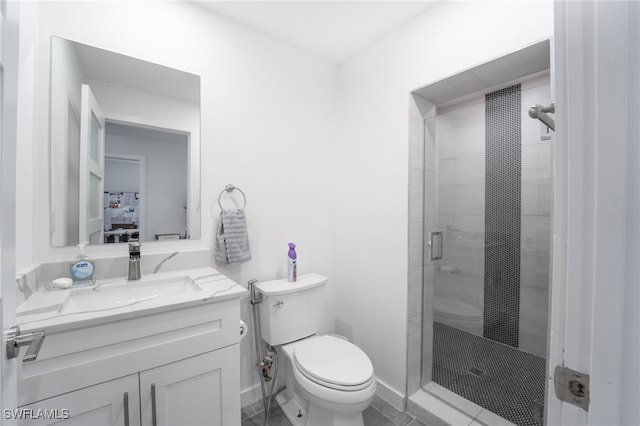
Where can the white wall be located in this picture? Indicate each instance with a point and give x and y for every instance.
(371, 269)
(268, 119)
(121, 175)
(66, 81)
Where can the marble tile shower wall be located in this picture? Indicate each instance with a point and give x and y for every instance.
(461, 210)
(535, 243)
(461, 201)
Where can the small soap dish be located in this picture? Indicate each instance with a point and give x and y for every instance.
(63, 284)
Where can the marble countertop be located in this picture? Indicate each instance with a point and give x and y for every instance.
(59, 310)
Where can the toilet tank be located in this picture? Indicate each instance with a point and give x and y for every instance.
(291, 311)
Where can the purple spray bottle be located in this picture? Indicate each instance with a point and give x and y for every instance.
(292, 264)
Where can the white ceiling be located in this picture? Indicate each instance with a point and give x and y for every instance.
(332, 29)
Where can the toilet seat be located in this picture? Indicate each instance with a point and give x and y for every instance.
(334, 363)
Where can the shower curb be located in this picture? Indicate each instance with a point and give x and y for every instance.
(447, 408)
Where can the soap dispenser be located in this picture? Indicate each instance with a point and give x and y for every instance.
(82, 267)
(292, 264)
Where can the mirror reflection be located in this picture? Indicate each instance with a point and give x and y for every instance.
(124, 148)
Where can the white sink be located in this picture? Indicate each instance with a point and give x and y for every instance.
(119, 293)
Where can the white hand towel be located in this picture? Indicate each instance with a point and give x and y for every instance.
(232, 242)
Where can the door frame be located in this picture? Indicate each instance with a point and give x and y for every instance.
(9, 36)
(142, 173)
(594, 300)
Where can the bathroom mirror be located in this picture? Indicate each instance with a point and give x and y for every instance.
(124, 148)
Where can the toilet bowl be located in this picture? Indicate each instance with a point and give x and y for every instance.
(458, 314)
(333, 376)
(329, 380)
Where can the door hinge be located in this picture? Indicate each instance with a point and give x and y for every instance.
(571, 386)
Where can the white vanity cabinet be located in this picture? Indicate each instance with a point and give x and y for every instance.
(175, 367)
(202, 390)
(102, 404)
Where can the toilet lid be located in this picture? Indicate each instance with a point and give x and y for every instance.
(330, 360)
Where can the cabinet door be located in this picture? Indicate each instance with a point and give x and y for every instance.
(99, 405)
(202, 390)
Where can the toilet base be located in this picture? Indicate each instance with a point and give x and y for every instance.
(292, 408)
(301, 413)
(319, 416)
(300, 404)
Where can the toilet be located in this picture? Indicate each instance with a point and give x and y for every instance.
(458, 314)
(329, 380)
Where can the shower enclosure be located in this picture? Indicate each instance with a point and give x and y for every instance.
(486, 227)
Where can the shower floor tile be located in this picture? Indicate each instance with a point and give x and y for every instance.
(502, 379)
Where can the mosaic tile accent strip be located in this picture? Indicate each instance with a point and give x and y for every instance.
(502, 215)
(512, 382)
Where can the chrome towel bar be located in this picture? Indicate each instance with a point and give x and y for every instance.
(230, 188)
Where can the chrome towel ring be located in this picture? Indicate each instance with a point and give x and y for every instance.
(230, 188)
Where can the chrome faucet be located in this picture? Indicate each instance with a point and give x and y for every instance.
(134, 261)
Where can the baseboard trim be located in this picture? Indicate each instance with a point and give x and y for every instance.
(250, 395)
(390, 395)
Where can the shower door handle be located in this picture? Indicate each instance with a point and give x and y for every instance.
(435, 244)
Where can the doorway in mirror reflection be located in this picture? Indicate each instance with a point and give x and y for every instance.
(136, 182)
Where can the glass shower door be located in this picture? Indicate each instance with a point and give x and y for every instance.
(492, 198)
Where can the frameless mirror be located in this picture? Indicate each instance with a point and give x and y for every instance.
(124, 148)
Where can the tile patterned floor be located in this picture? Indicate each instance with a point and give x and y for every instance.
(502, 379)
(379, 413)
